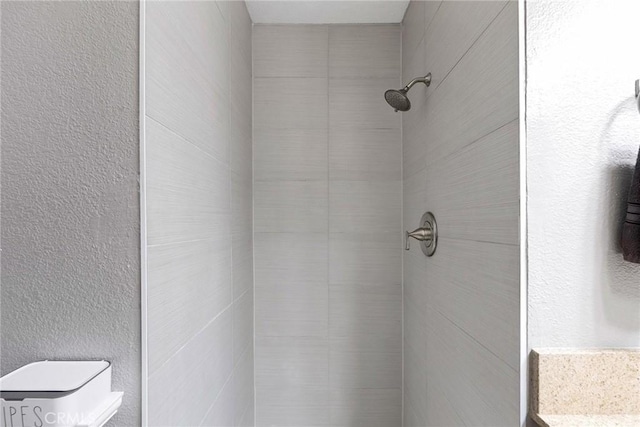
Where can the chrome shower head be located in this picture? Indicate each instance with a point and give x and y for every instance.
(398, 99)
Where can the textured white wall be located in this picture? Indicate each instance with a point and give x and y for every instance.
(583, 134)
(70, 222)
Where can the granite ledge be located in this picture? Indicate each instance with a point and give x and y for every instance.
(587, 420)
(585, 387)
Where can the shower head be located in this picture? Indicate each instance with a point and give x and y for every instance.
(398, 99)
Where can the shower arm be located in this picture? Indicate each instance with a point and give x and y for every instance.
(426, 80)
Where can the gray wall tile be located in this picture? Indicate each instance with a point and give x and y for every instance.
(292, 362)
(200, 213)
(291, 154)
(486, 272)
(243, 385)
(189, 284)
(410, 417)
(359, 103)
(365, 408)
(291, 259)
(327, 160)
(482, 178)
(290, 103)
(241, 206)
(240, 89)
(351, 369)
(365, 258)
(195, 375)
(188, 195)
(414, 199)
(292, 311)
(242, 263)
(221, 412)
(290, 50)
(242, 325)
(415, 384)
(366, 310)
(372, 155)
(439, 409)
(465, 108)
(460, 160)
(361, 206)
(414, 147)
(413, 27)
(291, 206)
(187, 76)
(460, 365)
(460, 23)
(415, 300)
(430, 10)
(292, 407)
(248, 418)
(240, 138)
(360, 51)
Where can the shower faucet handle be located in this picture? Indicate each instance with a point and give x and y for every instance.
(426, 234)
(421, 234)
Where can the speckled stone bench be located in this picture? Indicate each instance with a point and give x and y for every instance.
(585, 387)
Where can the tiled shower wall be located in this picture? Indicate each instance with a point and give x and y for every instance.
(327, 163)
(461, 148)
(199, 214)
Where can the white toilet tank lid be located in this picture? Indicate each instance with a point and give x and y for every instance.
(53, 376)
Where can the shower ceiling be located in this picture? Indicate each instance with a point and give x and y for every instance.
(326, 11)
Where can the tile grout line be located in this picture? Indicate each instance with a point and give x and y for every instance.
(402, 225)
(144, 247)
(467, 51)
(467, 145)
(473, 338)
(231, 217)
(191, 143)
(253, 230)
(328, 342)
(195, 335)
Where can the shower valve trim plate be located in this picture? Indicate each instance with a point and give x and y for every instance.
(426, 234)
